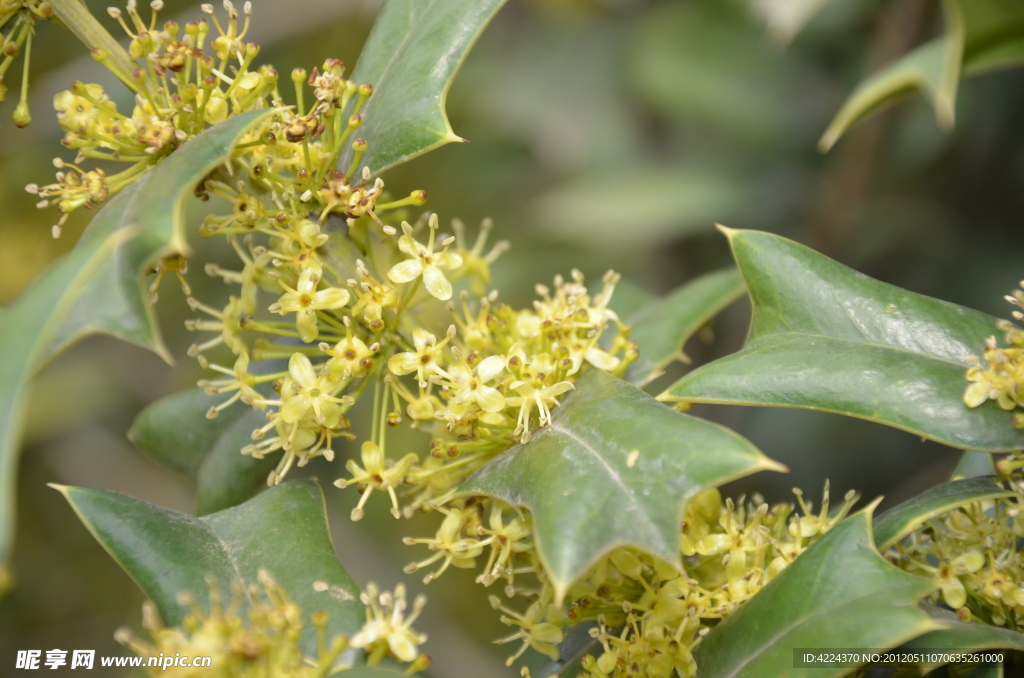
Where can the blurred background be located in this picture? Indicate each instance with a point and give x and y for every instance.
(605, 134)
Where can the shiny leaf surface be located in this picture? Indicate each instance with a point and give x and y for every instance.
(614, 468)
(839, 593)
(411, 59)
(825, 337)
(960, 637)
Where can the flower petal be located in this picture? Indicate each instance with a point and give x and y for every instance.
(404, 271)
(489, 399)
(436, 283)
(330, 298)
(403, 363)
(301, 370)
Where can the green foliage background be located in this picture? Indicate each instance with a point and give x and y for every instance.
(605, 133)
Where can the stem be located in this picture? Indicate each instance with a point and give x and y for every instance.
(83, 25)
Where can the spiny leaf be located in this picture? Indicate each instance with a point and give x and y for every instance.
(839, 593)
(115, 302)
(175, 432)
(615, 468)
(411, 59)
(901, 520)
(26, 328)
(960, 637)
(981, 36)
(825, 337)
(283, 531)
(663, 327)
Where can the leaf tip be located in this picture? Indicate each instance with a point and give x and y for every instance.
(63, 489)
(769, 464)
(726, 231)
(870, 508)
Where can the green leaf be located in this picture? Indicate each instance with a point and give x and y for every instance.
(839, 593)
(615, 468)
(283, 531)
(981, 36)
(663, 327)
(973, 464)
(901, 520)
(825, 337)
(961, 637)
(175, 432)
(411, 58)
(115, 301)
(26, 327)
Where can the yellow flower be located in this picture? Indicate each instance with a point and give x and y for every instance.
(305, 301)
(307, 391)
(424, 361)
(424, 261)
(544, 398)
(470, 384)
(376, 474)
(534, 633)
(386, 628)
(350, 357)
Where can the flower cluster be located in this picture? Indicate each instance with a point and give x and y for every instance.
(1001, 376)
(972, 554)
(649, 615)
(188, 78)
(263, 645)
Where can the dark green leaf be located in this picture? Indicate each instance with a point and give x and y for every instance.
(960, 637)
(283, 531)
(839, 593)
(663, 327)
(614, 468)
(411, 58)
(115, 301)
(175, 432)
(825, 337)
(901, 520)
(26, 327)
(577, 644)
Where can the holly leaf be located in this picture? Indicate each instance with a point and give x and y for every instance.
(838, 593)
(411, 58)
(26, 327)
(961, 637)
(283, 531)
(825, 337)
(115, 302)
(981, 36)
(903, 519)
(663, 327)
(175, 432)
(615, 468)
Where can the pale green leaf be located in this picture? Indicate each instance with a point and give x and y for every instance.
(615, 468)
(973, 464)
(28, 326)
(825, 337)
(839, 593)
